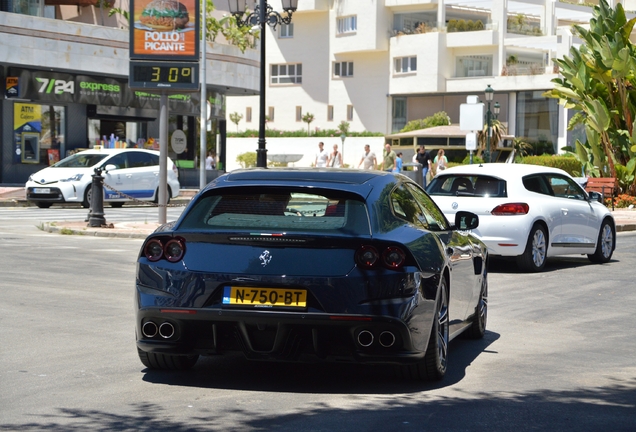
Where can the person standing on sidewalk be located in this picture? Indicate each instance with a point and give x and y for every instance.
(389, 162)
(423, 158)
(368, 161)
(321, 156)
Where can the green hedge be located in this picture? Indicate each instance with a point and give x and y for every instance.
(275, 133)
(569, 164)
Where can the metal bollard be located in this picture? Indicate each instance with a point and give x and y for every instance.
(96, 214)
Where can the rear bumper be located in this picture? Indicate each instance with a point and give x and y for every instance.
(284, 336)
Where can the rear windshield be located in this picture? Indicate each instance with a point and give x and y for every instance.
(79, 160)
(278, 211)
(467, 185)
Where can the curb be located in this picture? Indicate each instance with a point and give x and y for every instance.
(175, 202)
(92, 232)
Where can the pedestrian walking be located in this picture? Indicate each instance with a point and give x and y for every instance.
(398, 162)
(335, 158)
(368, 161)
(388, 163)
(440, 162)
(322, 156)
(423, 158)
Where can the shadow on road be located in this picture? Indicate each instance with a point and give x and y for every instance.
(234, 372)
(585, 409)
(507, 265)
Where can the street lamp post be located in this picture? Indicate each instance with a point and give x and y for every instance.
(342, 138)
(490, 93)
(262, 16)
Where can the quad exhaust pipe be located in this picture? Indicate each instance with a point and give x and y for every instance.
(386, 339)
(150, 329)
(166, 330)
(366, 339)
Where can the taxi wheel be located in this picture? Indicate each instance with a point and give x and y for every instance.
(166, 361)
(87, 197)
(169, 193)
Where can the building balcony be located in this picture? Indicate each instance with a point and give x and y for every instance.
(313, 6)
(471, 38)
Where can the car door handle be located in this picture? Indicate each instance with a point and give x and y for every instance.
(564, 211)
(129, 175)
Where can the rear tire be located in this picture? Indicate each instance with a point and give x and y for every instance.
(87, 197)
(168, 192)
(433, 366)
(604, 244)
(160, 361)
(534, 257)
(477, 329)
(43, 205)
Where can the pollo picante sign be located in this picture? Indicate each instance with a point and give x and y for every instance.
(164, 30)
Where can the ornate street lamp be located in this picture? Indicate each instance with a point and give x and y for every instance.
(490, 94)
(262, 16)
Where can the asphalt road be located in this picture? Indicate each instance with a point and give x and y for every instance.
(559, 355)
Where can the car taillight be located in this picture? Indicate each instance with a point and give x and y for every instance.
(393, 257)
(511, 209)
(153, 250)
(173, 249)
(367, 256)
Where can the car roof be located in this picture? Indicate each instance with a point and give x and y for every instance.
(116, 150)
(501, 170)
(360, 182)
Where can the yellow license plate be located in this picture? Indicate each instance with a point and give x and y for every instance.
(265, 297)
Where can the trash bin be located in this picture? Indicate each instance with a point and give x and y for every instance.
(413, 171)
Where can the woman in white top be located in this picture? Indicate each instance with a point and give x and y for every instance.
(335, 158)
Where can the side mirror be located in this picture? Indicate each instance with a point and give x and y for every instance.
(593, 195)
(466, 221)
(110, 167)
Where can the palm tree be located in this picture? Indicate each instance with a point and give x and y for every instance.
(498, 130)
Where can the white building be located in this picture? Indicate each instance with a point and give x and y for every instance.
(378, 64)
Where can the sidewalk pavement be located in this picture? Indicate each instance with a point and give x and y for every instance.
(14, 197)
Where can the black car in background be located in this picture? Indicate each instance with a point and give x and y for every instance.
(311, 265)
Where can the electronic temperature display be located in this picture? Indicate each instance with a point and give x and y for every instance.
(164, 76)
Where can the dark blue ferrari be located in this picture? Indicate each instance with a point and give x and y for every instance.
(311, 265)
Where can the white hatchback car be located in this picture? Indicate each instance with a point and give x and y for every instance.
(128, 173)
(527, 211)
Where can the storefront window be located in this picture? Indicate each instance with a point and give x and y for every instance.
(117, 133)
(40, 133)
(538, 120)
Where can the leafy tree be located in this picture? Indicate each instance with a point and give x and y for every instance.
(438, 119)
(344, 127)
(600, 84)
(308, 118)
(247, 160)
(236, 118)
